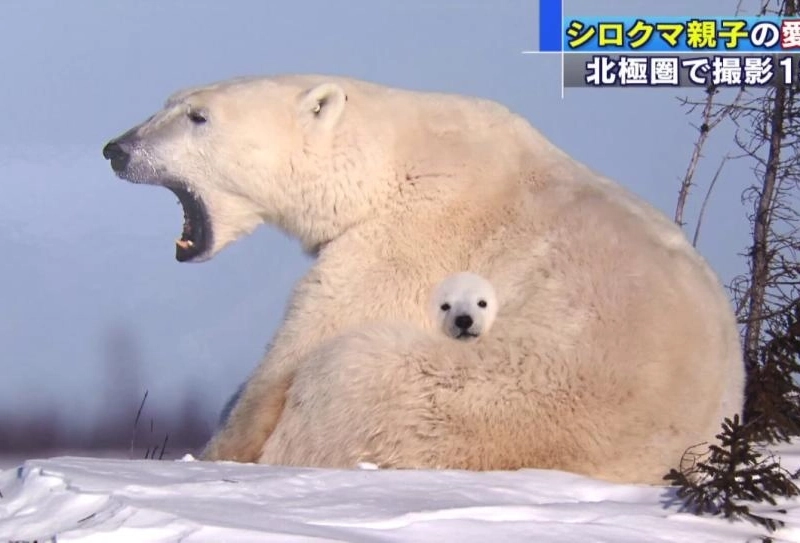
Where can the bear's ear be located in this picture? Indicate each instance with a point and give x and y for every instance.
(323, 105)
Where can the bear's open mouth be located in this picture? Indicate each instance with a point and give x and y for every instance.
(195, 235)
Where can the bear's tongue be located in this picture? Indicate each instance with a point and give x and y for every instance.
(193, 239)
(185, 241)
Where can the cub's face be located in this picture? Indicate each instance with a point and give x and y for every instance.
(236, 154)
(464, 306)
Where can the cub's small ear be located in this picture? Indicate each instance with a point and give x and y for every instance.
(323, 105)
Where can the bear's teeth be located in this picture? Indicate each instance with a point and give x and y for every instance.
(184, 243)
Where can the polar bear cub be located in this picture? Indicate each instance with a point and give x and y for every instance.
(464, 305)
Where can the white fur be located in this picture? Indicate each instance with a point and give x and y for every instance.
(616, 347)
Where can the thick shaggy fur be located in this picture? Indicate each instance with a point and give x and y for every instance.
(615, 347)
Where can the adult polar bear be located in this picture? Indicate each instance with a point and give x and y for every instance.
(615, 348)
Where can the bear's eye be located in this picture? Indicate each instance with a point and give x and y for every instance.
(445, 307)
(197, 117)
(481, 303)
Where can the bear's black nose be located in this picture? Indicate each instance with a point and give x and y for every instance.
(464, 321)
(118, 156)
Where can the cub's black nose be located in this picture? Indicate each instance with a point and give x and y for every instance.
(118, 156)
(464, 321)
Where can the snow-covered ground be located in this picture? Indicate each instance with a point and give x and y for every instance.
(71, 498)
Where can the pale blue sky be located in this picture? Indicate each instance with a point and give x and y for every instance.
(83, 251)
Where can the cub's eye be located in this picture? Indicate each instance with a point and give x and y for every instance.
(196, 116)
(481, 303)
(445, 307)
